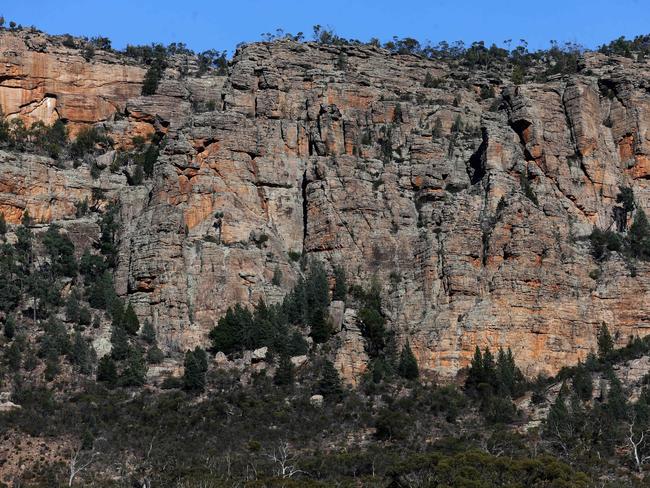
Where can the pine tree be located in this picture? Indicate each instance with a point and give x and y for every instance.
(321, 329)
(119, 343)
(582, 383)
(284, 374)
(201, 358)
(10, 327)
(52, 368)
(558, 418)
(72, 308)
(61, 252)
(372, 321)
(135, 371)
(639, 236)
(297, 345)
(340, 284)
(316, 303)
(84, 316)
(408, 365)
(107, 371)
(507, 373)
(130, 320)
(3, 226)
(55, 340)
(475, 376)
(194, 374)
(616, 400)
(591, 363)
(329, 384)
(226, 337)
(80, 354)
(605, 342)
(148, 333)
(489, 369)
(14, 357)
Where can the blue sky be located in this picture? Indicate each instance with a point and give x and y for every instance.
(204, 24)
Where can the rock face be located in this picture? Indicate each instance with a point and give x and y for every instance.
(471, 213)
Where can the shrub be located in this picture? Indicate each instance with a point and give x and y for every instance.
(518, 74)
(391, 425)
(487, 92)
(603, 242)
(86, 142)
(68, 41)
(431, 82)
(155, 355)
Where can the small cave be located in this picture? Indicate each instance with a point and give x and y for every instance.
(476, 166)
(522, 129)
(607, 88)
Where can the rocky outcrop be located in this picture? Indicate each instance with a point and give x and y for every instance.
(471, 213)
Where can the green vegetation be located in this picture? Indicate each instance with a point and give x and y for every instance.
(329, 382)
(408, 365)
(639, 46)
(196, 366)
(340, 291)
(284, 374)
(275, 326)
(635, 244)
(213, 59)
(527, 189)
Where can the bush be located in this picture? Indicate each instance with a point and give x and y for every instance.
(391, 425)
(86, 142)
(604, 242)
(155, 355)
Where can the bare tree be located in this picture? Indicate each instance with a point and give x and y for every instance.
(638, 443)
(80, 460)
(284, 461)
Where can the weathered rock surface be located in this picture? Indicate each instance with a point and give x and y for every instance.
(344, 163)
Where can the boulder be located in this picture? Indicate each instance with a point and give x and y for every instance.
(316, 400)
(259, 354)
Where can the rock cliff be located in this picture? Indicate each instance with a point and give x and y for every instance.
(470, 210)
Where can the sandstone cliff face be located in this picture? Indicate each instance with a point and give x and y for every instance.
(475, 230)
